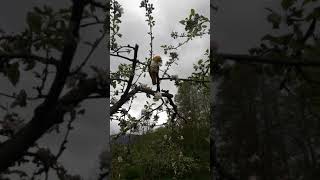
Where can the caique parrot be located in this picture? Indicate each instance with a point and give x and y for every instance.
(154, 71)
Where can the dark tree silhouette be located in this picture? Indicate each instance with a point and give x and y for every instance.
(48, 46)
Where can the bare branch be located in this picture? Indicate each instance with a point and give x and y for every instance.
(269, 60)
(40, 59)
(134, 64)
(130, 94)
(93, 48)
(12, 149)
(51, 111)
(91, 24)
(189, 80)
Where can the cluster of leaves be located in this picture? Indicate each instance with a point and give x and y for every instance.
(293, 40)
(202, 68)
(196, 25)
(45, 31)
(116, 12)
(151, 22)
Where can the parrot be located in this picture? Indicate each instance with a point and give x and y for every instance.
(154, 71)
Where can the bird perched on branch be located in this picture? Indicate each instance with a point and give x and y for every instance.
(154, 71)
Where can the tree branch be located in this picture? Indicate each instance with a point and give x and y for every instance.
(14, 148)
(130, 94)
(134, 64)
(52, 110)
(181, 79)
(93, 48)
(269, 60)
(40, 59)
(91, 24)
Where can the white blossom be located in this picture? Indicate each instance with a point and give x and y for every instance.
(157, 96)
(165, 136)
(143, 112)
(120, 159)
(181, 138)
(180, 154)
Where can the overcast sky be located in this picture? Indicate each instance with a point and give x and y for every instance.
(167, 15)
(239, 26)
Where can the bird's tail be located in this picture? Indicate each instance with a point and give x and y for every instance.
(154, 80)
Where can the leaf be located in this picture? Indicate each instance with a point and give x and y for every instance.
(71, 82)
(287, 3)
(275, 19)
(192, 11)
(182, 22)
(13, 73)
(37, 10)
(73, 114)
(114, 84)
(30, 65)
(82, 111)
(36, 74)
(34, 21)
(315, 14)
(283, 40)
(21, 99)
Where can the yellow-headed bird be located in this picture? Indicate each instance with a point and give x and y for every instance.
(154, 71)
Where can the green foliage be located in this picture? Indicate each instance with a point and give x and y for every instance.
(195, 24)
(116, 12)
(34, 21)
(202, 68)
(274, 18)
(180, 152)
